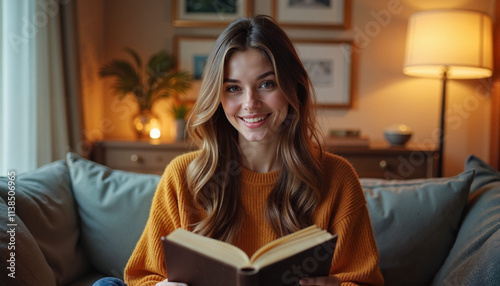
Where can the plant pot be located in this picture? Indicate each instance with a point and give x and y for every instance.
(143, 122)
(180, 129)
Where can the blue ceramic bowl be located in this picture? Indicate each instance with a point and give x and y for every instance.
(398, 135)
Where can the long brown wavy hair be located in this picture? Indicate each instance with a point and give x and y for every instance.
(213, 177)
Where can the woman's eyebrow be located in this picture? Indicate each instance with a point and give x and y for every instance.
(230, 80)
(264, 75)
(258, 78)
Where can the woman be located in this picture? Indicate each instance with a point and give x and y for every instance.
(260, 172)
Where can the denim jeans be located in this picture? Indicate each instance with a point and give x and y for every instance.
(109, 281)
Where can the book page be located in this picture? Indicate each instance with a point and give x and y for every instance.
(214, 248)
(305, 231)
(290, 247)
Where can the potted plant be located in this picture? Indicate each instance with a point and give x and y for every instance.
(179, 111)
(157, 79)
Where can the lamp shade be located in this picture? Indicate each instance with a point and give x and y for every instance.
(457, 42)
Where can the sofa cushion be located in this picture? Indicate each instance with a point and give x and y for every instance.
(24, 248)
(475, 257)
(114, 207)
(415, 224)
(45, 204)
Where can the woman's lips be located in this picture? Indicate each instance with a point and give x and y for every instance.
(255, 121)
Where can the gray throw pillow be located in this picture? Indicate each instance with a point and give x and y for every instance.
(29, 266)
(475, 257)
(45, 204)
(415, 223)
(114, 207)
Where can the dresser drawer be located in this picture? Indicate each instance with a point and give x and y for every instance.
(388, 167)
(390, 162)
(137, 159)
(140, 157)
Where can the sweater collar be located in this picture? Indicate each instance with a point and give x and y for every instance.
(249, 176)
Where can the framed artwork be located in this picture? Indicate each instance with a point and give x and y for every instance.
(209, 13)
(316, 14)
(191, 53)
(329, 65)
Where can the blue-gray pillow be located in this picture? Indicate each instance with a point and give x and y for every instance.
(45, 204)
(114, 207)
(415, 223)
(475, 257)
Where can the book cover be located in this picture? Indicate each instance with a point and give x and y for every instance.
(202, 261)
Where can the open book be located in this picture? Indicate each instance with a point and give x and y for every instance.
(199, 261)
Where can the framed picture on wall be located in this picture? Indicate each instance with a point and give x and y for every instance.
(316, 14)
(329, 65)
(191, 53)
(209, 13)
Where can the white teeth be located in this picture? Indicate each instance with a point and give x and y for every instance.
(255, 119)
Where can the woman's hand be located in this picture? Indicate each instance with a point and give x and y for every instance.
(166, 283)
(323, 280)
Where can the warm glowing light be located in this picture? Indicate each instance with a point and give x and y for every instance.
(456, 41)
(155, 133)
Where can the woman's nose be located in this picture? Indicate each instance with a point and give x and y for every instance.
(251, 101)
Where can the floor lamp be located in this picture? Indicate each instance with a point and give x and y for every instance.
(448, 44)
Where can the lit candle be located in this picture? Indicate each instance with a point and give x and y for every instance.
(155, 133)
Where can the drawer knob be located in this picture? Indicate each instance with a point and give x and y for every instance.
(136, 158)
(383, 164)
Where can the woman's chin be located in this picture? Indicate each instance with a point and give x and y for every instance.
(259, 138)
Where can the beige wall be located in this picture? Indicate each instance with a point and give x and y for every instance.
(91, 50)
(383, 95)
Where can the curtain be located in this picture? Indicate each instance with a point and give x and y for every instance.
(33, 125)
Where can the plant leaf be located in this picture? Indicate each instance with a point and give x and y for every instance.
(126, 76)
(179, 111)
(173, 83)
(136, 57)
(158, 66)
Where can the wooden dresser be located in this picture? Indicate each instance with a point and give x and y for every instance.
(388, 162)
(138, 156)
(376, 161)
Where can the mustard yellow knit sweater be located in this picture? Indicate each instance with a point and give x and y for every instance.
(342, 212)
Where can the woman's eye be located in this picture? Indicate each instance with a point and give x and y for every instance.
(268, 84)
(232, 88)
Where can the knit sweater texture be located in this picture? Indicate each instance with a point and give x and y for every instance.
(341, 211)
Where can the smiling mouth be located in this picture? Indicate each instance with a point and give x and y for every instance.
(255, 119)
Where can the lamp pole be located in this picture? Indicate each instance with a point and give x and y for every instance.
(441, 128)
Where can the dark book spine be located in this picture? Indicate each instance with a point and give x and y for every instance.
(247, 277)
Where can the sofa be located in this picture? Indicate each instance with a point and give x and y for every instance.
(74, 221)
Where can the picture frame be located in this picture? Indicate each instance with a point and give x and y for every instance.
(209, 13)
(313, 14)
(329, 66)
(190, 53)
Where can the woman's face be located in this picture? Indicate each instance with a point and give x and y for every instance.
(251, 99)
